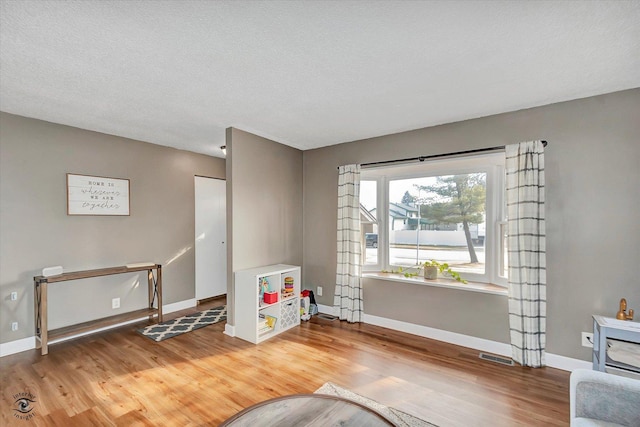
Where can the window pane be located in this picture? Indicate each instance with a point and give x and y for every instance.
(503, 270)
(440, 218)
(368, 221)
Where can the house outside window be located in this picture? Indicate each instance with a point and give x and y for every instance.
(449, 210)
(369, 222)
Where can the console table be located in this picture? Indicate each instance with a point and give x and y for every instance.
(41, 283)
(607, 327)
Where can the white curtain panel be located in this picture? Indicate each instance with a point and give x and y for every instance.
(526, 241)
(348, 293)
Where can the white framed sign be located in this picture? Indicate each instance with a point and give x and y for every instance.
(96, 195)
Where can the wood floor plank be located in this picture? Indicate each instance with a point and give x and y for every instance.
(121, 378)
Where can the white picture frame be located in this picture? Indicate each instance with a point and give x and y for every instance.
(97, 195)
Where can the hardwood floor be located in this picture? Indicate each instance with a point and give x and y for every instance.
(203, 377)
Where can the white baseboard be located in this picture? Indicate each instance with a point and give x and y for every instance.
(180, 305)
(481, 344)
(229, 330)
(17, 346)
(566, 363)
(29, 343)
(502, 349)
(327, 309)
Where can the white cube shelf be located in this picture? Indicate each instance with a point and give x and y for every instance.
(250, 310)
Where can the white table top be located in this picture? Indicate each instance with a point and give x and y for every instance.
(611, 322)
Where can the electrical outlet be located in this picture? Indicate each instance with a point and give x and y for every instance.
(14, 296)
(14, 326)
(587, 339)
(115, 303)
(319, 291)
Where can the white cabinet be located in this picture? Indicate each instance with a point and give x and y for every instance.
(267, 301)
(606, 328)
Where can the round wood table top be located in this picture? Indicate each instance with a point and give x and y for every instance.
(319, 410)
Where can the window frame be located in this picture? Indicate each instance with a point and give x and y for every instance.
(495, 207)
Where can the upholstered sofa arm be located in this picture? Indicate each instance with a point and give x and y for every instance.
(601, 399)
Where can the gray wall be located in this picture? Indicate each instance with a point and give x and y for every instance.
(264, 204)
(593, 217)
(35, 231)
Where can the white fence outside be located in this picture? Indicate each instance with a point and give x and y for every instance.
(428, 237)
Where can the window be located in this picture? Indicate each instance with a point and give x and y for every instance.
(448, 210)
(368, 221)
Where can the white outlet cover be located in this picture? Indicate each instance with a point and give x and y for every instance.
(587, 339)
(14, 326)
(115, 303)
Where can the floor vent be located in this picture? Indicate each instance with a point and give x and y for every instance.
(497, 359)
(326, 316)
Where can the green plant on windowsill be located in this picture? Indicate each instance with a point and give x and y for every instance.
(442, 267)
(406, 272)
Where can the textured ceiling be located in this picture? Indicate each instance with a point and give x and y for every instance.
(306, 74)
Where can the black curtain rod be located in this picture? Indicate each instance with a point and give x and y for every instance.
(435, 156)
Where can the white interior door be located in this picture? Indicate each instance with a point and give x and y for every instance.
(211, 233)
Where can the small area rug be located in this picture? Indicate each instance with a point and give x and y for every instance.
(399, 418)
(184, 324)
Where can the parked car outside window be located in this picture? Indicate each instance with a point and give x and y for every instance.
(371, 240)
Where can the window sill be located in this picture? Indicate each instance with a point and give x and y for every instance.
(485, 288)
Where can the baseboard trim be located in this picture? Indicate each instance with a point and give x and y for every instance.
(566, 363)
(29, 343)
(180, 305)
(229, 330)
(327, 309)
(480, 344)
(553, 360)
(17, 346)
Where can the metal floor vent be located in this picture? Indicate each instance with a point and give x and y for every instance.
(497, 359)
(326, 316)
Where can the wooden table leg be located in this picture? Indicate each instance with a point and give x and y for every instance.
(44, 333)
(155, 287)
(151, 288)
(159, 285)
(36, 311)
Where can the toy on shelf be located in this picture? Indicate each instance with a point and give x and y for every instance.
(622, 313)
(263, 286)
(288, 287)
(270, 297)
